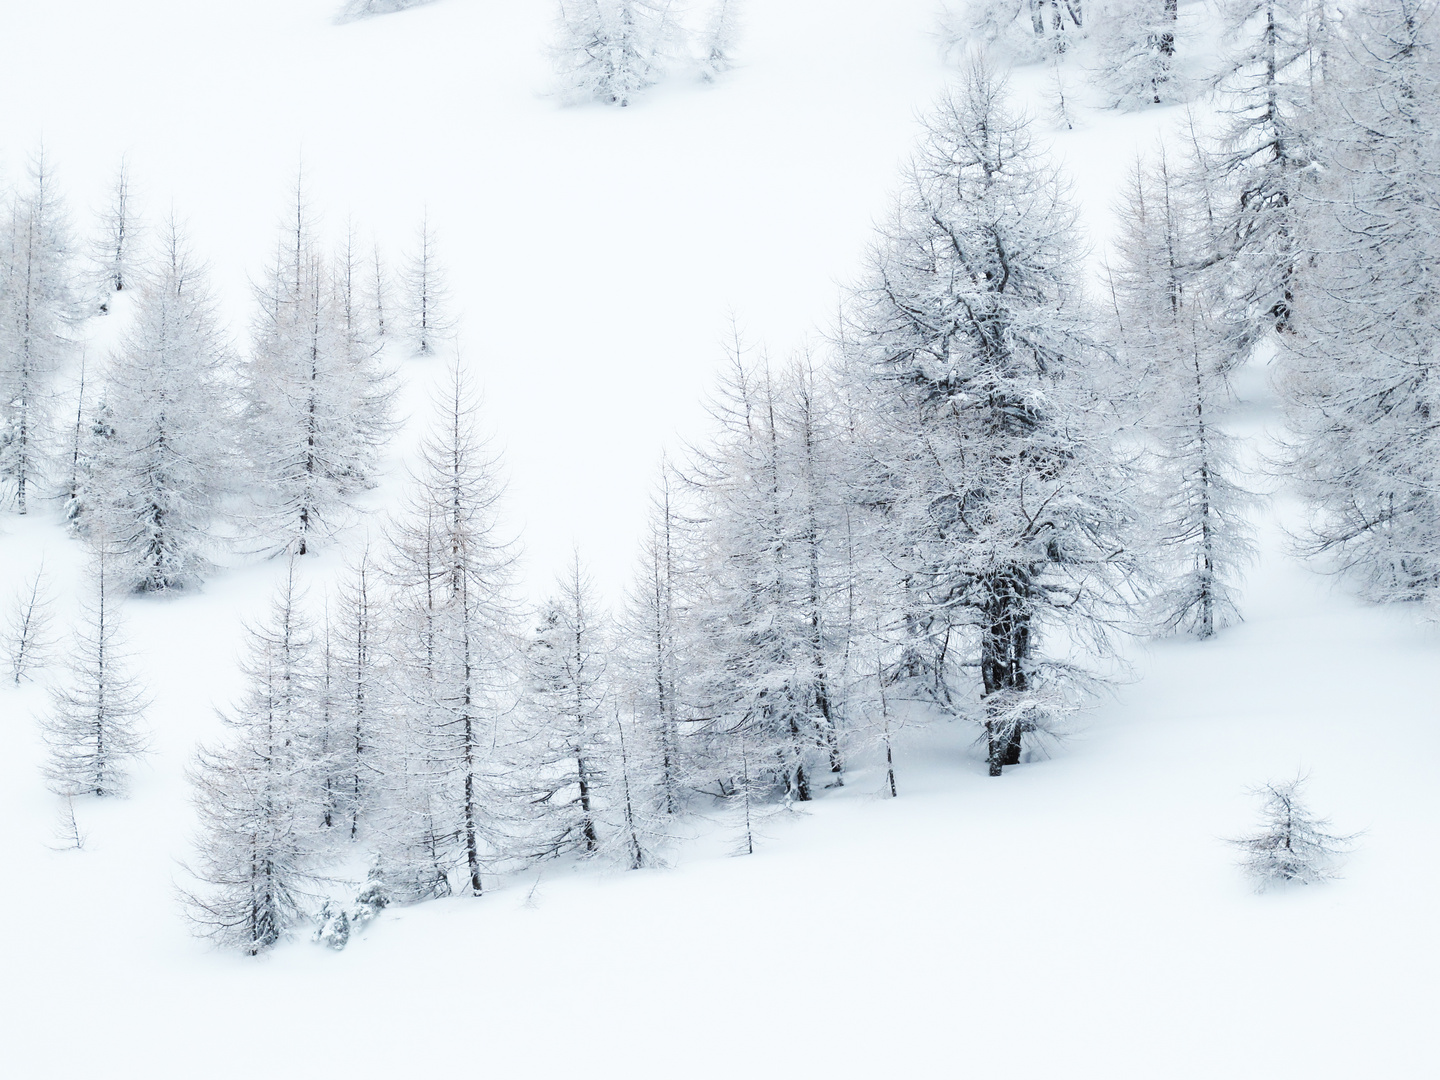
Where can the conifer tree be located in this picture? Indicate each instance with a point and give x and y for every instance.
(1176, 361)
(452, 577)
(1359, 379)
(256, 792)
(116, 249)
(566, 745)
(37, 305)
(1005, 513)
(1292, 844)
(611, 50)
(651, 653)
(316, 400)
(427, 297)
(1269, 85)
(155, 490)
(95, 726)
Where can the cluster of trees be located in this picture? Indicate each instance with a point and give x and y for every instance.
(941, 520)
(150, 462)
(611, 50)
(988, 472)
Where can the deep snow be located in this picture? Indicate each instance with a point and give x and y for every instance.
(1079, 917)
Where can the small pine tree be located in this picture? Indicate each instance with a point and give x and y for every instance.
(115, 253)
(28, 637)
(1292, 844)
(94, 728)
(427, 297)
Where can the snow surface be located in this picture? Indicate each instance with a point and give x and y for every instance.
(1079, 917)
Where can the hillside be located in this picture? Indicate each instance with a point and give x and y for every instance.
(1080, 917)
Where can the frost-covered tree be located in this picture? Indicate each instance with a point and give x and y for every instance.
(155, 491)
(1361, 380)
(1292, 844)
(761, 632)
(377, 294)
(566, 744)
(95, 726)
(610, 50)
(28, 634)
(1005, 512)
(316, 401)
(256, 792)
(359, 698)
(1023, 30)
(427, 297)
(1176, 362)
(37, 305)
(451, 571)
(1136, 52)
(652, 665)
(720, 39)
(1269, 84)
(116, 254)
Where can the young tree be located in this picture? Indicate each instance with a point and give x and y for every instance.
(761, 629)
(1292, 844)
(1177, 365)
(95, 724)
(1005, 512)
(28, 638)
(426, 296)
(1359, 379)
(257, 792)
(610, 50)
(358, 702)
(169, 458)
(720, 39)
(566, 748)
(37, 304)
(316, 400)
(651, 674)
(451, 570)
(115, 251)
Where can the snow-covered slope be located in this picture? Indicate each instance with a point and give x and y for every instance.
(1079, 917)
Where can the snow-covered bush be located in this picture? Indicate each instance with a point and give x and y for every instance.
(1292, 844)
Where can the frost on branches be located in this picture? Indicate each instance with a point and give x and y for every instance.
(1292, 844)
(1005, 513)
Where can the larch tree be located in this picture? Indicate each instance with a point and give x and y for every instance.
(652, 669)
(1268, 85)
(256, 792)
(315, 398)
(568, 727)
(1006, 514)
(1176, 362)
(95, 726)
(427, 297)
(37, 306)
(116, 251)
(155, 492)
(1360, 380)
(611, 50)
(451, 571)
